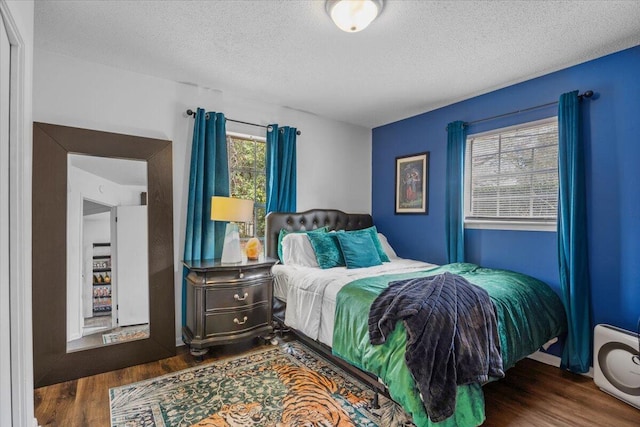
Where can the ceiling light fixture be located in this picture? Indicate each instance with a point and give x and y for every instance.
(353, 15)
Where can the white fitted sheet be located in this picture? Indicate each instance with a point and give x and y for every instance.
(311, 293)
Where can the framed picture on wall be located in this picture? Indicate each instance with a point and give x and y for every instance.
(412, 184)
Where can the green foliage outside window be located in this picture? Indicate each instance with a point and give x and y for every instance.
(248, 180)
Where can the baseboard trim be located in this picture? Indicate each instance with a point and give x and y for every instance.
(546, 358)
(550, 359)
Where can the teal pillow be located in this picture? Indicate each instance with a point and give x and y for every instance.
(284, 232)
(358, 250)
(373, 232)
(327, 249)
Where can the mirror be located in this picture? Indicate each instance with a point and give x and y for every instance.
(107, 266)
(52, 311)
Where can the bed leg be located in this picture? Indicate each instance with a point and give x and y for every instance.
(375, 404)
(279, 329)
(270, 339)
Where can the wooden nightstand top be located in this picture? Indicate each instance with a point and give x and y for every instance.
(209, 264)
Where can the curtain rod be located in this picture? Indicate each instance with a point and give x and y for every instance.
(190, 112)
(587, 94)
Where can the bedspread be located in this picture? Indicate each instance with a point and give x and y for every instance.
(529, 313)
(311, 302)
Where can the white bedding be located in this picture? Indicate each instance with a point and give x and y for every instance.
(311, 293)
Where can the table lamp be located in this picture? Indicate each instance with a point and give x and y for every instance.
(233, 211)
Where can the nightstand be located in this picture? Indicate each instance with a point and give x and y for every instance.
(226, 303)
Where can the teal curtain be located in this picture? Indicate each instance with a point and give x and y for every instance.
(454, 216)
(281, 169)
(209, 176)
(572, 235)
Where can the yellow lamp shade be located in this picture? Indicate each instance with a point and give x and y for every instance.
(231, 209)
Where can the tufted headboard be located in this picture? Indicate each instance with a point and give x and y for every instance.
(310, 220)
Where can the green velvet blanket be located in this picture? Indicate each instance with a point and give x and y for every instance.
(528, 311)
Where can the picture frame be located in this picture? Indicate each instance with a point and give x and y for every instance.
(412, 184)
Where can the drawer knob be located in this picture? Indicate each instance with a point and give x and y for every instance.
(241, 275)
(240, 322)
(241, 298)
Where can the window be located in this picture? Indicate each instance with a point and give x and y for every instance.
(511, 177)
(248, 178)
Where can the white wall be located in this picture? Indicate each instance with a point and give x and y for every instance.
(334, 158)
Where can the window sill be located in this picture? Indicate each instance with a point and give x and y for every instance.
(510, 225)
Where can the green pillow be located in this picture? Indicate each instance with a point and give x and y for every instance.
(327, 249)
(358, 250)
(284, 232)
(373, 232)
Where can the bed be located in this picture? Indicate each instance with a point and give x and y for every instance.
(329, 309)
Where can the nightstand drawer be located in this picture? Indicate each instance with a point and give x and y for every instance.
(239, 296)
(230, 322)
(231, 275)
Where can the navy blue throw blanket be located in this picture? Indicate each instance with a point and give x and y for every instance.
(452, 335)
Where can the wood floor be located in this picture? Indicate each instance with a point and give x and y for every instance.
(532, 394)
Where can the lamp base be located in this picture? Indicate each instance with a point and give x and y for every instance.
(231, 251)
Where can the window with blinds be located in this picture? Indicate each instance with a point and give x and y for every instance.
(511, 174)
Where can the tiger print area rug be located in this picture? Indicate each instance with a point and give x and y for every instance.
(280, 386)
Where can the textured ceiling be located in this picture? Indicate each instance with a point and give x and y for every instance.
(417, 56)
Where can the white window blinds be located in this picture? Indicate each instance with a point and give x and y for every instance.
(511, 174)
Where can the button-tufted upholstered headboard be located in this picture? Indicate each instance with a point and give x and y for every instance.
(310, 220)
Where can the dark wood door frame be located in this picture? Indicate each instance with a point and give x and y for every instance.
(51, 144)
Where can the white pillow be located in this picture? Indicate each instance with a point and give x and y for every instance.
(386, 246)
(297, 250)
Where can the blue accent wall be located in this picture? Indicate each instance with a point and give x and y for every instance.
(611, 133)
